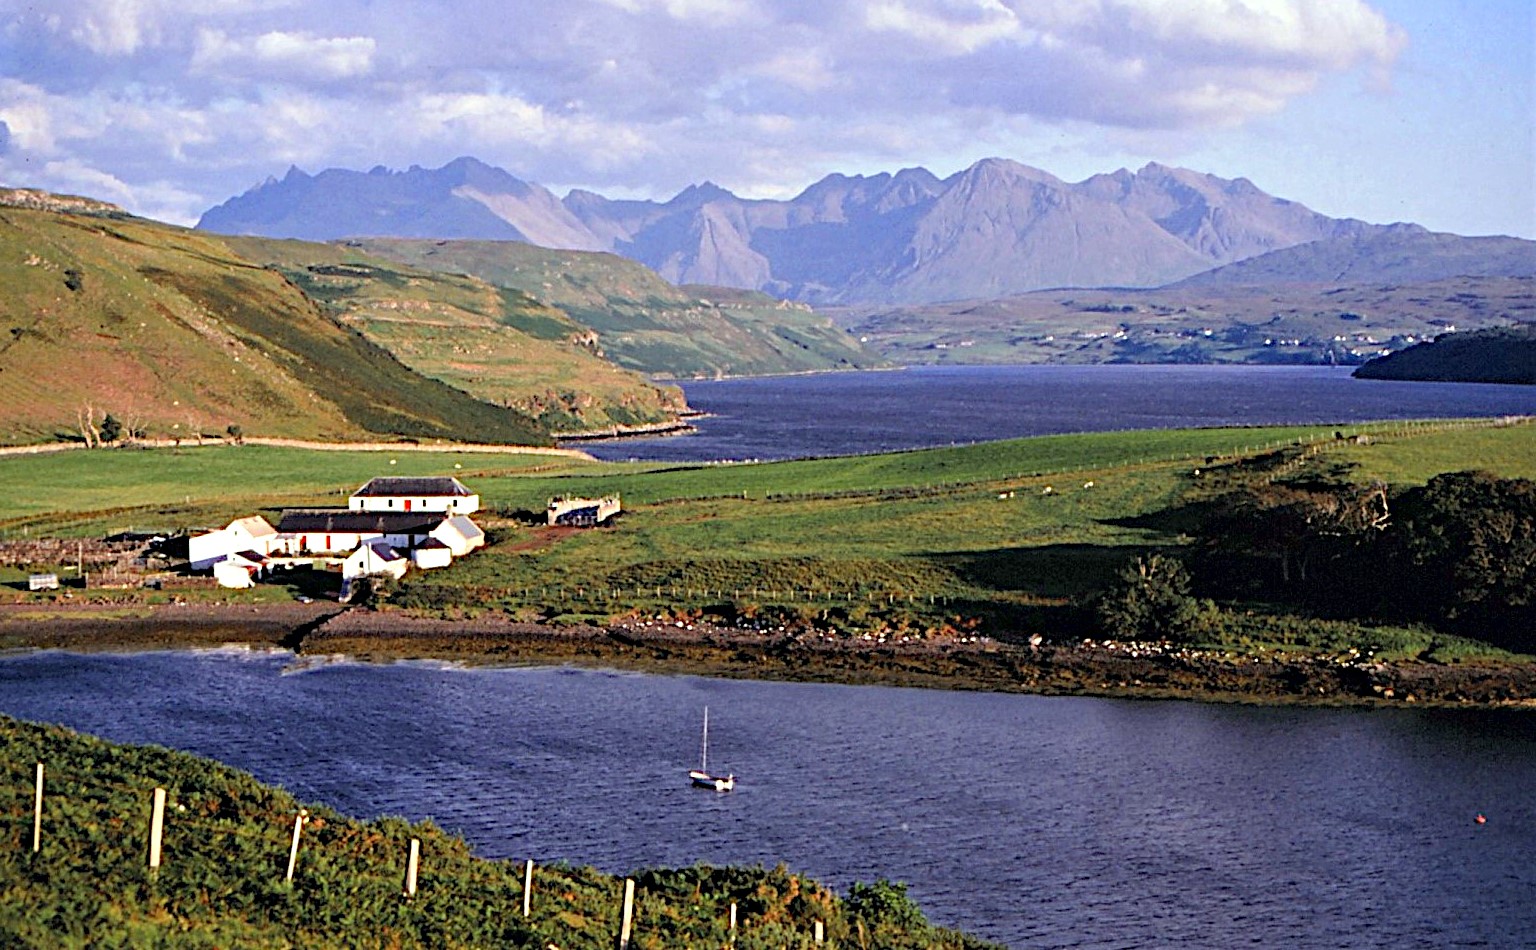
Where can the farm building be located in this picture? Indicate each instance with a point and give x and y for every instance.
(338, 531)
(399, 494)
(582, 512)
(459, 534)
(375, 557)
(254, 533)
(430, 554)
(239, 569)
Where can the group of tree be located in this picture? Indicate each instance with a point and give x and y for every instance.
(1458, 553)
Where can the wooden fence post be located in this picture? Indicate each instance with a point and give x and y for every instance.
(37, 812)
(412, 865)
(527, 887)
(156, 828)
(629, 913)
(293, 849)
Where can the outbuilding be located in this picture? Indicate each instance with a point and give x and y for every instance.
(376, 557)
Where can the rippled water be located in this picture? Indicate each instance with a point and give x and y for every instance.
(1040, 822)
(847, 413)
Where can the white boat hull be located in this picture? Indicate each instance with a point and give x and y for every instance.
(720, 783)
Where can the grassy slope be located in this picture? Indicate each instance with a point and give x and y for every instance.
(924, 532)
(226, 847)
(179, 335)
(1301, 323)
(642, 322)
(105, 491)
(501, 346)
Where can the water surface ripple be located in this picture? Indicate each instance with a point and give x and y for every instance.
(1039, 822)
(855, 413)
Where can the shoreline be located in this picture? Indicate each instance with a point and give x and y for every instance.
(1089, 668)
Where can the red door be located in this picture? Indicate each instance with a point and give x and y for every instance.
(407, 504)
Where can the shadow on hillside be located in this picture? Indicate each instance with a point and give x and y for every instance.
(1052, 570)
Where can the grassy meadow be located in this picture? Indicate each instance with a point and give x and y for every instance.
(1000, 537)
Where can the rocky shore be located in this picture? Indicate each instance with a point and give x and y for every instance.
(1088, 668)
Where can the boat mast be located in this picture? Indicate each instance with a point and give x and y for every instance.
(704, 749)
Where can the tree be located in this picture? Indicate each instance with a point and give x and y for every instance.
(1464, 549)
(111, 429)
(1150, 600)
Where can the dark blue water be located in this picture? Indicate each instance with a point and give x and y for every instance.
(1041, 822)
(850, 413)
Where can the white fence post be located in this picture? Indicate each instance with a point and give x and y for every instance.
(37, 813)
(156, 828)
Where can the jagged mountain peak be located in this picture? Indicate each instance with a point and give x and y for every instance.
(996, 227)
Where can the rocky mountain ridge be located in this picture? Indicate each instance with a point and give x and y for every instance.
(996, 228)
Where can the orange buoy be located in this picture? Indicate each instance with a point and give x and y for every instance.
(1480, 819)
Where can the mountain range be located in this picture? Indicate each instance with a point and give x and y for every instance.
(994, 229)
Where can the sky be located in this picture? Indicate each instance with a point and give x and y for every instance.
(1387, 110)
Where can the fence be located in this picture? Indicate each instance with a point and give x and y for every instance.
(287, 851)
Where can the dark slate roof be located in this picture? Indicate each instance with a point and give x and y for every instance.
(391, 486)
(385, 552)
(346, 521)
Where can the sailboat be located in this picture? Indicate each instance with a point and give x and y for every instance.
(700, 776)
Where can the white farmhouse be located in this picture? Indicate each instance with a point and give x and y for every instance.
(254, 535)
(400, 494)
(333, 532)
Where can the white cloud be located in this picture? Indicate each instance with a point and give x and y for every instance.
(761, 95)
(718, 11)
(287, 56)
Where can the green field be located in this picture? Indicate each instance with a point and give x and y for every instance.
(1001, 537)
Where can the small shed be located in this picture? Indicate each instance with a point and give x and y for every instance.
(230, 573)
(460, 534)
(375, 557)
(431, 553)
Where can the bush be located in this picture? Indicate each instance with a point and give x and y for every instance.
(1150, 600)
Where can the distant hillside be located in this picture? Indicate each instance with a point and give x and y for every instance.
(1496, 355)
(1340, 324)
(176, 335)
(640, 321)
(497, 344)
(1399, 254)
(994, 229)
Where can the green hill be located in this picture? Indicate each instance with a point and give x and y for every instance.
(175, 335)
(1495, 355)
(226, 847)
(497, 344)
(642, 322)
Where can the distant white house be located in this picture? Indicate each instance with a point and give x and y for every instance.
(401, 494)
(373, 558)
(254, 534)
(239, 569)
(460, 535)
(431, 554)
